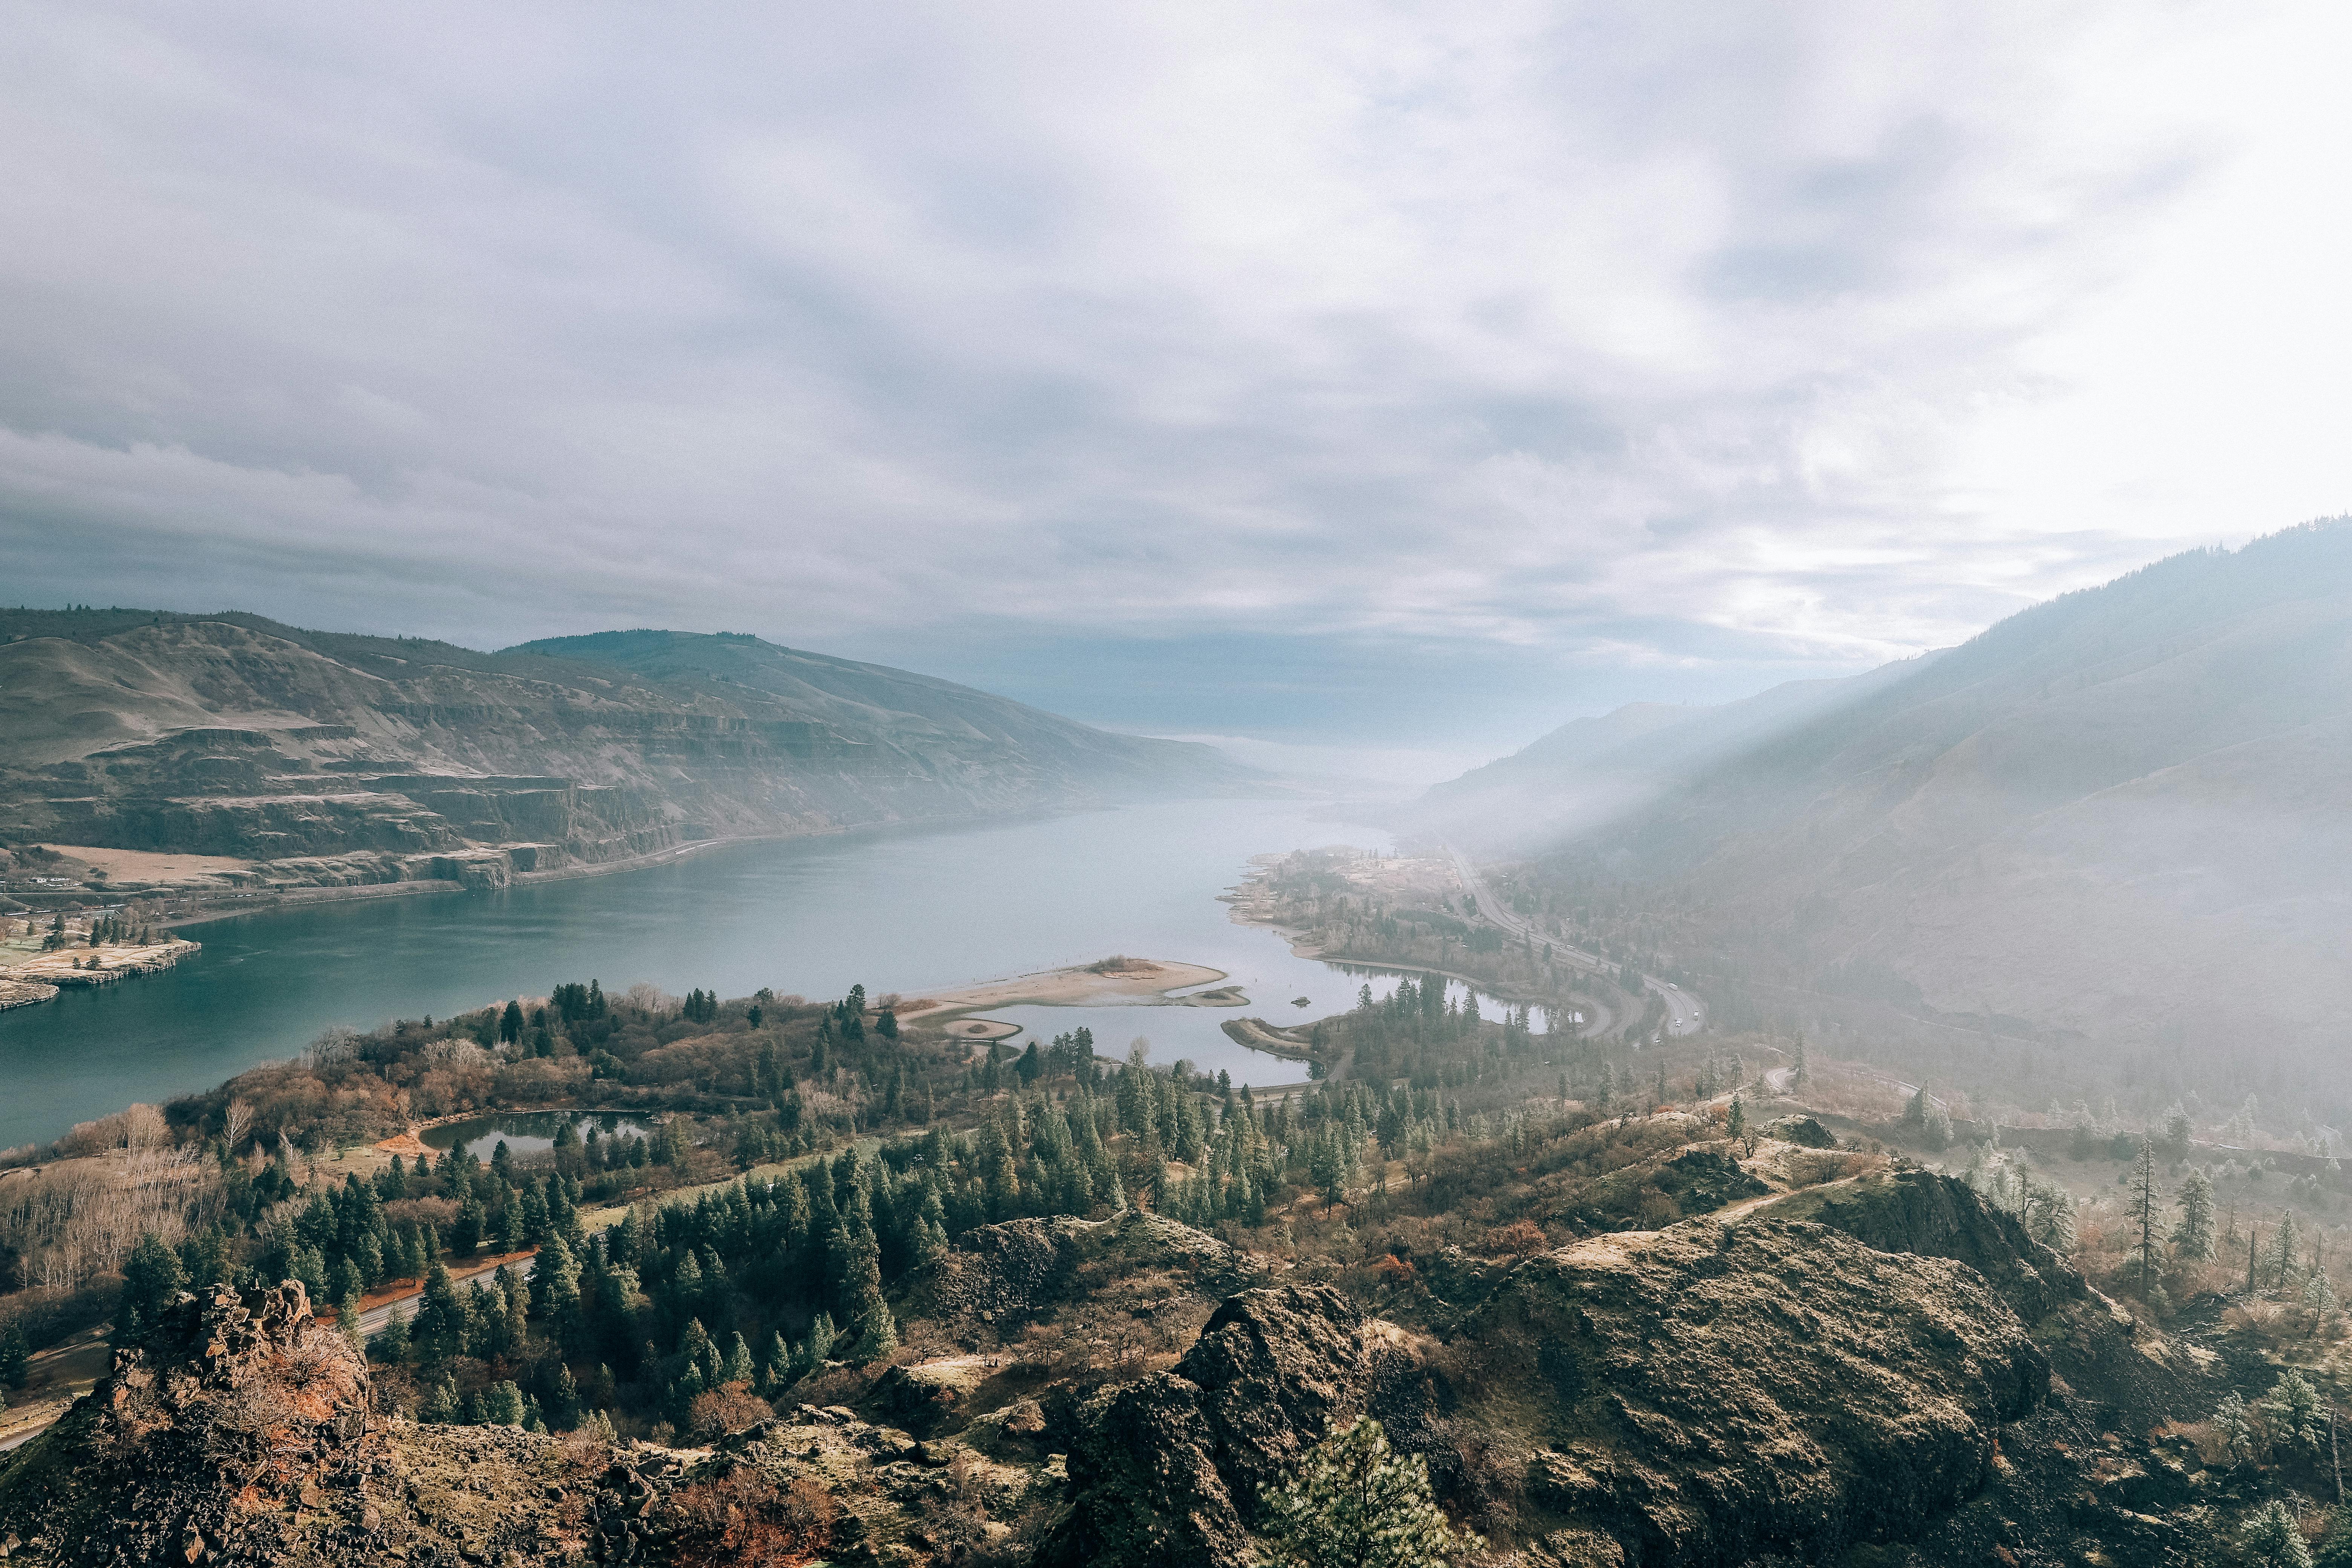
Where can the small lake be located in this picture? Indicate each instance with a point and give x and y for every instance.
(902, 912)
(529, 1132)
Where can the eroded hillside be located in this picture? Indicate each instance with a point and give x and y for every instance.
(339, 758)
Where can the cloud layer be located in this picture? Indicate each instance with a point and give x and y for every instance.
(1203, 366)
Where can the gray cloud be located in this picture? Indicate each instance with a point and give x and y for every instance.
(1567, 353)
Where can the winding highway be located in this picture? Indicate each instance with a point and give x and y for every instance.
(1685, 1013)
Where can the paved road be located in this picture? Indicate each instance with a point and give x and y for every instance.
(1685, 1013)
(373, 1319)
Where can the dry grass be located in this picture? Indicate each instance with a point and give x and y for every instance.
(745, 1521)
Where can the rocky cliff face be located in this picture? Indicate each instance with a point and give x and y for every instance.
(207, 1446)
(344, 759)
(1703, 1395)
(1761, 1391)
(1169, 1468)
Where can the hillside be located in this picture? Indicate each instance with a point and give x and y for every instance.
(1637, 1397)
(1590, 771)
(341, 759)
(2118, 817)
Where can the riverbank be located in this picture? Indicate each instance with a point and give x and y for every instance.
(1426, 888)
(248, 901)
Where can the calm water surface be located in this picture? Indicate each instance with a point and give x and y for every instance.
(529, 1132)
(901, 911)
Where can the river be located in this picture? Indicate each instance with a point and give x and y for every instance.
(893, 912)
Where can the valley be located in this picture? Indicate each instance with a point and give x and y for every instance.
(871, 1292)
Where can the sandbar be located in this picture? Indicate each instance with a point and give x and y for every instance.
(1112, 983)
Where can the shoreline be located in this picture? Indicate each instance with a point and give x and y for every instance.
(1603, 1015)
(1269, 1039)
(349, 892)
(259, 903)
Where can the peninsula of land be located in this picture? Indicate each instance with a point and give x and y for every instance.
(36, 959)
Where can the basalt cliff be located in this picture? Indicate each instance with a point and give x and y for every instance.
(1898, 1378)
(325, 759)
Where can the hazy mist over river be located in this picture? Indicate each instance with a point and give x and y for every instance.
(899, 912)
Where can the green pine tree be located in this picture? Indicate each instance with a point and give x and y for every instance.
(152, 1276)
(1354, 1503)
(2272, 1540)
(2193, 1236)
(14, 1356)
(501, 1406)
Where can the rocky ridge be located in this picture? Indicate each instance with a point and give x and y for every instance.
(1744, 1388)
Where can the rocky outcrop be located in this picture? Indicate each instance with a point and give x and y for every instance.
(999, 1277)
(1937, 1217)
(1708, 1394)
(1170, 1469)
(200, 1446)
(1712, 1393)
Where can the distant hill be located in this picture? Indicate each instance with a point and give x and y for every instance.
(1591, 771)
(2124, 815)
(343, 758)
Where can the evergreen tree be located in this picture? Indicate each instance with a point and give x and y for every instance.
(152, 1276)
(555, 1289)
(14, 1357)
(390, 1344)
(1355, 1504)
(2273, 1541)
(2235, 1424)
(562, 1407)
(501, 1406)
(466, 1231)
(347, 1287)
(511, 1024)
(2193, 1236)
(2283, 1266)
(2318, 1297)
(440, 1404)
(814, 1351)
(857, 1279)
(2142, 1208)
(438, 1334)
(2293, 1408)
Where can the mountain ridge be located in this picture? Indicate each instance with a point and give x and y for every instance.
(336, 758)
(2100, 816)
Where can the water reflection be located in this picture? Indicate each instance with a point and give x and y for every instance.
(529, 1132)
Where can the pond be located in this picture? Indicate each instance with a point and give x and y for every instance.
(529, 1132)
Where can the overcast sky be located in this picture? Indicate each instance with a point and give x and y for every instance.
(1415, 376)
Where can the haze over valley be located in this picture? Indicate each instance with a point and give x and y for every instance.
(1542, 787)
